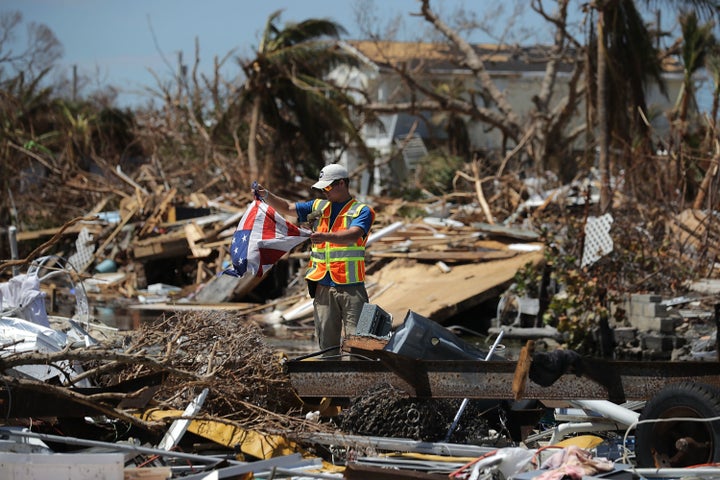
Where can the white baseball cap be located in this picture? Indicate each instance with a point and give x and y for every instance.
(329, 174)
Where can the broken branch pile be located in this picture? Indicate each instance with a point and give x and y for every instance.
(163, 366)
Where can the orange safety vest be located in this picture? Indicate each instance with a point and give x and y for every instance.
(346, 263)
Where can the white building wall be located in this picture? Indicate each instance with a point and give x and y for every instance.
(519, 89)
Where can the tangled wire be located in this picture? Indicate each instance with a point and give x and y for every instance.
(386, 411)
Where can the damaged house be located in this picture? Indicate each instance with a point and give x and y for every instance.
(197, 392)
(411, 86)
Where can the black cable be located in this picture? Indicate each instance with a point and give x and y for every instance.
(315, 354)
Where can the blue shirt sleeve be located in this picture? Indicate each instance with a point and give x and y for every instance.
(303, 209)
(363, 220)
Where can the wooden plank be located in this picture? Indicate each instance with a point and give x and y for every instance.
(419, 287)
(427, 241)
(101, 250)
(449, 255)
(223, 288)
(172, 244)
(194, 235)
(352, 343)
(522, 370)
(158, 213)
(94, 228)
(162, 248)
(509, 232)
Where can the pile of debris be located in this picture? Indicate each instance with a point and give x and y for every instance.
(197, 388)
(202, 393)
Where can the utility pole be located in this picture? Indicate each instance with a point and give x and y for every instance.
(74, 83)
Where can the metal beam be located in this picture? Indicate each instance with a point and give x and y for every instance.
(491, 379)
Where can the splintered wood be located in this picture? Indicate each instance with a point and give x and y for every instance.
(168, 363)
(523, 370)
(224, 352)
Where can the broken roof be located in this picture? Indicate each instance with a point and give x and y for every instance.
(444, 56)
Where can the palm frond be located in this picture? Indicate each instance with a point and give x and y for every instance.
(698, 39)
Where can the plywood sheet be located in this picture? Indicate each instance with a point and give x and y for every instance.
(406, 284)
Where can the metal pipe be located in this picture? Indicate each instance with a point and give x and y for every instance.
(609, 410)
(391, 443)
(699, 472)
(385, 231)
(12, 238)
(465, 401)
(580, 427)
(115, 446)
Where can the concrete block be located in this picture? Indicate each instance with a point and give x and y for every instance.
(654, 355)
(668, 324)
(658, 342)
(661, 342)
(637, 309)
(374, 321)
(645, 298)
(655, 310)
(624, 335)
(643, 323)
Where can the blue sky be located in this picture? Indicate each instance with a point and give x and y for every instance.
(118, 41)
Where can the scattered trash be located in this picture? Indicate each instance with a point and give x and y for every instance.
(199, 391)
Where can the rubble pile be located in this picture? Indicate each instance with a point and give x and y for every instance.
(168, 363)
(222, 352)
(388, 412)
(205, 356)
(155, 235)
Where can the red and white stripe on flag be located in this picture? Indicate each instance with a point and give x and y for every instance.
(262, 237)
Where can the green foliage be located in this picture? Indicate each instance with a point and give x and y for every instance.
(436, 172)
(644, 259)
(527, 281)
(411, 212)
(295, 111)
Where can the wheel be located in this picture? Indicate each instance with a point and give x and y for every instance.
(677, 443)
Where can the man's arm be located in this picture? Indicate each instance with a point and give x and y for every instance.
(284, 207)
(359, 228)
(343, 237)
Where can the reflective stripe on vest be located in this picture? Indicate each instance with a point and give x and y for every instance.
(346, 263)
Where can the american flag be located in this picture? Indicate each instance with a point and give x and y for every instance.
(262, 237)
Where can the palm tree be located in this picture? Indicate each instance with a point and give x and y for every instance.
(292, 105)
(710, 143)
(712, 64)
(698, 43)
(626, 60)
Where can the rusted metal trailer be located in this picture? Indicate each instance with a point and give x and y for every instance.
(679, 425)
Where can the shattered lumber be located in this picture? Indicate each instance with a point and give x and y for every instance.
(522, 370)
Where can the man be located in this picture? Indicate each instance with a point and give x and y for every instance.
(336, 270)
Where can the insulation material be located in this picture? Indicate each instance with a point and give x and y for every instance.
(598, 241)
(85, 251)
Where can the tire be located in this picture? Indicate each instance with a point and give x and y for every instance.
(678, 444)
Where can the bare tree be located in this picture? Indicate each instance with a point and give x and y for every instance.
(39, 50)
(545, 133)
